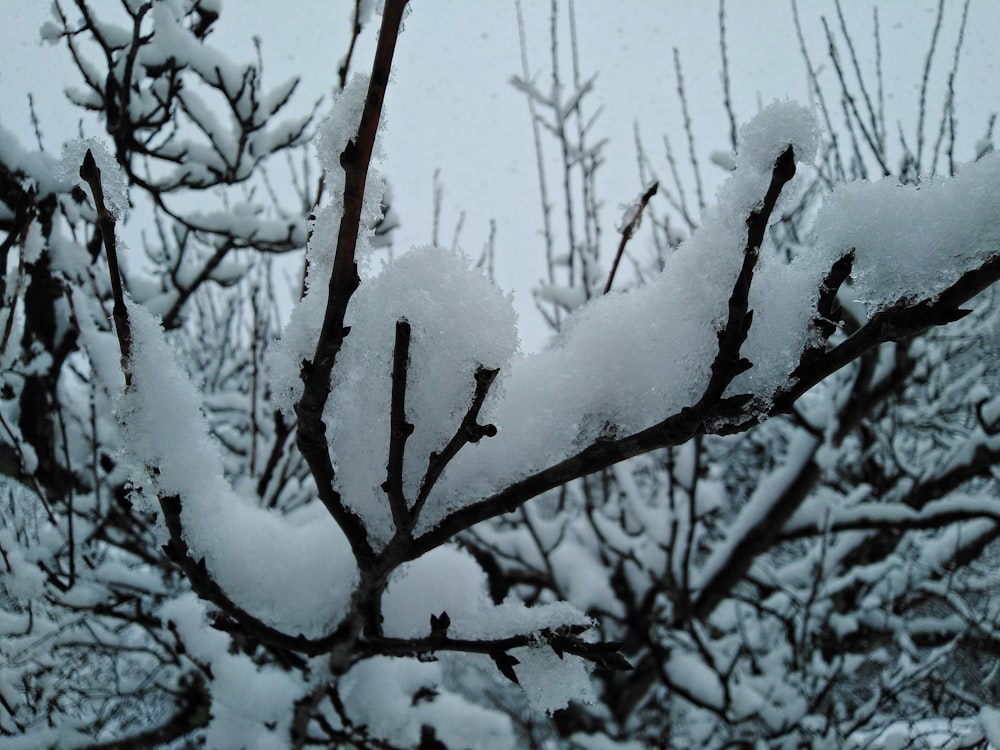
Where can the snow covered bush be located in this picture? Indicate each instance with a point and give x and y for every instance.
(749, 502)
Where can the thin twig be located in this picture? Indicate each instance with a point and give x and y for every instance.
(345, 66)
(852, 114)
(91, 174)
(689, 130)
(628, 230)
(547, 233)
(399, 429)
(727, 99)
(879, 142)
(469, 431)
(923, 86)
(840, 174)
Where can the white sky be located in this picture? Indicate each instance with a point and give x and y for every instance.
(451, 108)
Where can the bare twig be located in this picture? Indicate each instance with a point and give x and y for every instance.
(628, 230)
(924, 82)
(688, 130)
(876, 132)
(726, 80)
(852, 114)
(547, 232)
(345, 66)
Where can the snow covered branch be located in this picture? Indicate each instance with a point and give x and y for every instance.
(710, 411)
(91, 174)
(344, 281)
(755, 486)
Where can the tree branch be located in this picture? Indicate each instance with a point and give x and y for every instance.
(892, 516)
(561, 640)
(469, 431)
(628, 231)
(399, 428)
(355, 160)
(901, 321)
(728, 362)
(91, 174)
(208, 589)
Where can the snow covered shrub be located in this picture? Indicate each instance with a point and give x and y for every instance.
(748, 502)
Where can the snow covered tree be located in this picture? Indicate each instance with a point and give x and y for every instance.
(749, 501)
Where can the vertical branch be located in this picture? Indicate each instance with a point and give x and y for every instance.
(438, 197)
(24, 214)
(948, 117)
(689, 130)
(355, 160)
(817, 91)
(91, 174)
(923, 84)
(256, 338)
(728, 362)
(539, 157)
(588, 164)
(879, 76)
(726, 98)
(345, 66)
(873, 117)
(852, 115)
(399, 428)
(628, 231)
(559, 121)
(692, 491)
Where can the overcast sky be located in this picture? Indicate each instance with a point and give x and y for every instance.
(451, 107)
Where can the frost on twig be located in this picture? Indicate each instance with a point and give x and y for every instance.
(399, 428)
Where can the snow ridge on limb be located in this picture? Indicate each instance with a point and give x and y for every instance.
(707, 409)
(210, 526)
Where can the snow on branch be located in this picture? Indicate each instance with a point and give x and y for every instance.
(897, 516)
(91, 174)
(212, 530)
(404, 374)
(354, 159)
(612, 436)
